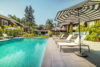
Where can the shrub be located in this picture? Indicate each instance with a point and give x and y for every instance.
(93, 30)
(71, 29)
(28, 35)
(20, 31)
(50, 33)
(43, 36)
(92, 37)
(56, 33)
(83, 28)
(1, 31)
(15, 32)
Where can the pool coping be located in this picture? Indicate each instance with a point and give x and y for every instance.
(11, 39)
(20, 37)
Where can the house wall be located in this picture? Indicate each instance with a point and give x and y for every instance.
(92, 22)
(88, 24)
(9, 22)
(67, 27)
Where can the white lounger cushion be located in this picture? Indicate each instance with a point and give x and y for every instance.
(64, 43)
(76, 42)
(62, 36)
(5, 35)
(69, 37)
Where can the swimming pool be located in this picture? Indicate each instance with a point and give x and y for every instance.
(24, 52)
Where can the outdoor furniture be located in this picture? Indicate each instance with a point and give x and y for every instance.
(75, 43)
(6, 36)
(54, 37)
(60, 37)
(64, 40)
(1, 38)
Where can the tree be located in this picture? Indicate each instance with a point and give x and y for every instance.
(29, 16)
(41, 27)
(12, 16)
(26, 13)
(49, 24)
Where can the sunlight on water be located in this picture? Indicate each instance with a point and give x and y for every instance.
(13, 58)
(22, 53)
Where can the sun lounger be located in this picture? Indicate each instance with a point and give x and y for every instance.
(75, 43)
(6, 36)
(1, 38)
(60, 37)
(64, 40)
(57, 36)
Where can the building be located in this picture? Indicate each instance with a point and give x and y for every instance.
(66, 26)
(8, 21)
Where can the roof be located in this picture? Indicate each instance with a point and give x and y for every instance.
(87, 10)
(12, 20)
(4, 17)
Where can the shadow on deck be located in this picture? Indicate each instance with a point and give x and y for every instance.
(54, 58)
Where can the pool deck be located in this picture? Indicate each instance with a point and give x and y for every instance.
(54, 58)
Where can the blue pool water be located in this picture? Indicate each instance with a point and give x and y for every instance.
(24, 52)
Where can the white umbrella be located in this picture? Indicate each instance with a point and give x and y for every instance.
(12, 28)
(56, 29)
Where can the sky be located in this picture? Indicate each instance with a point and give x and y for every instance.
(44, 9)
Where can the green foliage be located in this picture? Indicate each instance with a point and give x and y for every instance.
(23, 21)
(28, 35)
(29, 13)
(43, 36)
(1, 31)
(49, 24)
(83, 28)
(29, 16)
(56, 34)
(92, 37)
(94, 30)
(15, 32)
(71, 29)
(34, 35)
(50, 33)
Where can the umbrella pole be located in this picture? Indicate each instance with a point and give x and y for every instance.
(80, 53)
(79, 34)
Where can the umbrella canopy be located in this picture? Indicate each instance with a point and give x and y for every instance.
(84, 11)
(88, 10)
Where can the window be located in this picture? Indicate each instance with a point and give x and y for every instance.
(4, 22)
(90, 23)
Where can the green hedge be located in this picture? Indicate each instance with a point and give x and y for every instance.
(1, 31)
(93, 30)
(15, 32)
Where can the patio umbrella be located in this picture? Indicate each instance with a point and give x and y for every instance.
(56, 29)
(12, 28)
(84, 11)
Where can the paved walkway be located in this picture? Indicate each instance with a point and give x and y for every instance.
(94, 56)
(54, 58)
